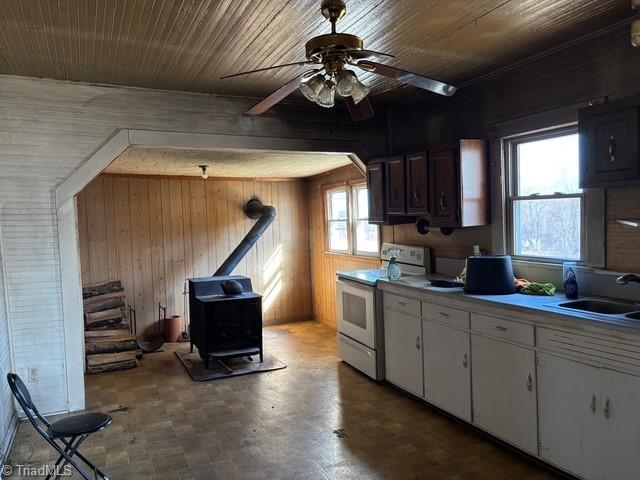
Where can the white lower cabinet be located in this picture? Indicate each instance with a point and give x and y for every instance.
(447, 377)
(589, 419)
(403, 351)
(504, 391)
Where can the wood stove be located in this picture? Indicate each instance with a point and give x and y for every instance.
(228, 325)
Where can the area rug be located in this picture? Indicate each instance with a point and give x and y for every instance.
(194, 366)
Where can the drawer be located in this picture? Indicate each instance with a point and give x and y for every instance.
(447, 315)
(408, 306)
(501, 328)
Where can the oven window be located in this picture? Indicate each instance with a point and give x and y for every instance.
(354, 310)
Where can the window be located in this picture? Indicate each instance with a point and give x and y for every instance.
(348, 227)
(545, 202)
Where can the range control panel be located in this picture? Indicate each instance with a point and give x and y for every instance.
(410, 255)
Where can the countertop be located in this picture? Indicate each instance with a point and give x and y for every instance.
(538, 309)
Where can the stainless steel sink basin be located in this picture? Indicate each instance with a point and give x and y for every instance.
(603, 307)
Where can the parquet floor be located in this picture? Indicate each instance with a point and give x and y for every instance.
(317, 419)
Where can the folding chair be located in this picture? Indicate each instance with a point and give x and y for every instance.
(65, 435)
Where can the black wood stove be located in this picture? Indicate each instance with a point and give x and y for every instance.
(225, 312)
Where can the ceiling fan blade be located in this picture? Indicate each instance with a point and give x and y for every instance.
(294, 64)
(367, 54)
(280, 94)
(361, 110)
(411, 78)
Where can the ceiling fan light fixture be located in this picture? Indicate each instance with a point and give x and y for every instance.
(327, 95)
(346, 80)
(359, 92)
(311, 87)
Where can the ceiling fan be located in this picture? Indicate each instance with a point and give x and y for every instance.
(332, 54)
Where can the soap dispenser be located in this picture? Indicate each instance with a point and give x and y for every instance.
(394, 272)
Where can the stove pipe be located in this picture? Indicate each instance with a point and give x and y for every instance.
(265, 214)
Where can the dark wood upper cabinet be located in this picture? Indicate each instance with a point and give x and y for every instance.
(460, 185)
(395, 186)
(417, 183)
(376, 191)
(609, 153)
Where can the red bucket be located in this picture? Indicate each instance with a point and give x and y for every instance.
(173, 327)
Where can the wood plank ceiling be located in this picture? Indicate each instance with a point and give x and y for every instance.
(189, 44)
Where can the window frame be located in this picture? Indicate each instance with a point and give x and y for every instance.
(351, 189)
(512, 195)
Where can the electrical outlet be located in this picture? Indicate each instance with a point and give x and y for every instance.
(33, 375)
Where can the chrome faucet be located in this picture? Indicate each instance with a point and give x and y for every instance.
(627, 277)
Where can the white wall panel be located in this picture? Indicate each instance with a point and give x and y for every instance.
(47, 130)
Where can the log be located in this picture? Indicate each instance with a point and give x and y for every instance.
(103, 315)
(107, 304)
(103, 297)
(110, 367)
(114, 344)
(99, 359)
(118, 325)
(109, 287)
(91, 334)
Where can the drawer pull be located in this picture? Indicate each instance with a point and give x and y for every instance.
(442, 314)
(500, 328)
(529, 383)
(402, 304)
(593, 403)
(607, 408)
(465, 360)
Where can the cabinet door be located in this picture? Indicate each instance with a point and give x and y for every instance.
(417, 183)
(447, 381)
(375, 188)
(504, 391)
(403, 351)
(569, 404)
(609, 147)
(619, 446)
(444, 191)
(396, 186)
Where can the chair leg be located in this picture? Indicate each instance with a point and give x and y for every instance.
(67, 454)
(87, 462)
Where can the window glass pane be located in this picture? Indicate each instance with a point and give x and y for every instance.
(338, 240)
(363, 203)
(548, 166)
(547, 228)
(366, 237)
(338, 205)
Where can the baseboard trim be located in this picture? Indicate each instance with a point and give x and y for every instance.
(281, 321)
(7, 441)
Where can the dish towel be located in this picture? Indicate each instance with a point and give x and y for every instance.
(531, 288)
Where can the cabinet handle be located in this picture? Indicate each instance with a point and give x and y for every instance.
(443, 201)
(442, 314)
(416, 194)
(529, 383)
(418, 342)
(500, 328)
(593, 403)
(402, 304)
(607, 408)
(612, 148)
(465, 360)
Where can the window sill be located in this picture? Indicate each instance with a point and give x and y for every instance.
(356, 258)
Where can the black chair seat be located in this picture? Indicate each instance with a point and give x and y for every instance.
(79, 425)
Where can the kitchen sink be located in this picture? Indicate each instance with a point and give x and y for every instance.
(603, 307)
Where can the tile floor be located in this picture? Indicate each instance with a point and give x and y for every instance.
(317, 419)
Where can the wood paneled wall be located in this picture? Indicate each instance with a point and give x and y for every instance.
(153, 233)
(544, 91)
(325, 265)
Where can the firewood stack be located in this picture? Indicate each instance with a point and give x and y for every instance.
(109, 343)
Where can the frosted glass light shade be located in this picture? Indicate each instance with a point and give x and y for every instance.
(310, 87)
(347, 81)
(359, 92)
(326, 96)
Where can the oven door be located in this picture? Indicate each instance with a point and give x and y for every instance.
(356, 311)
